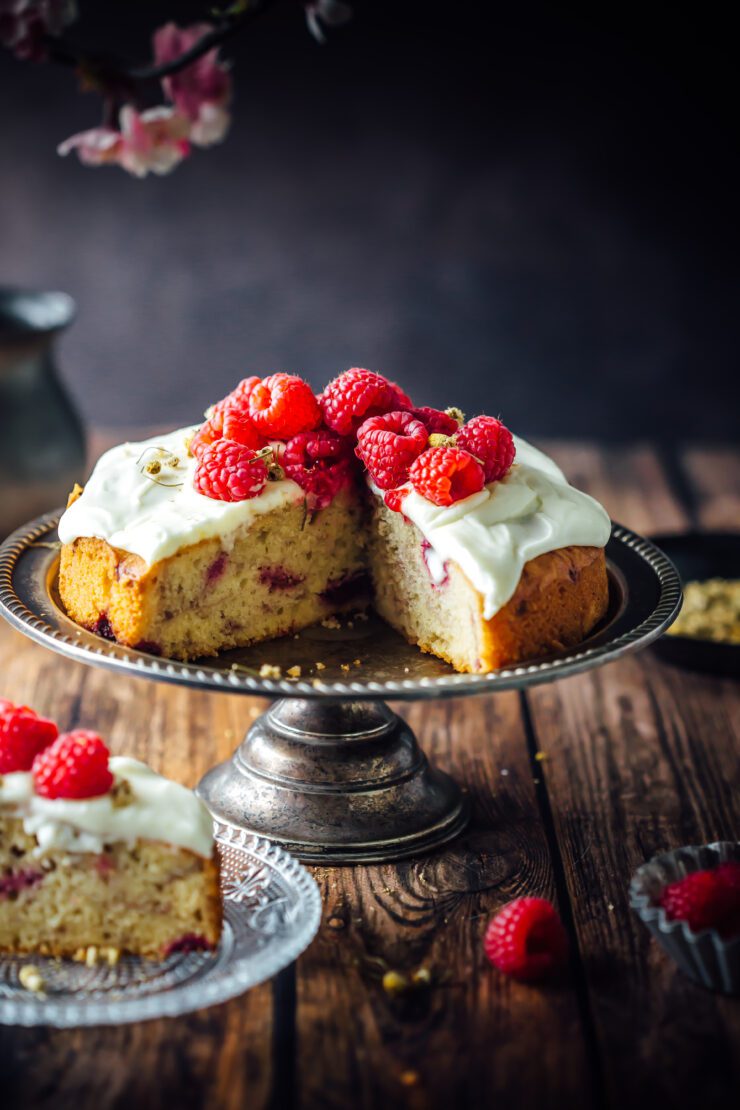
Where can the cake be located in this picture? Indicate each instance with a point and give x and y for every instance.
(98, 854)
(283, 509)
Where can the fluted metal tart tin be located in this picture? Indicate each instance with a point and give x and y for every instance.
(705, 957)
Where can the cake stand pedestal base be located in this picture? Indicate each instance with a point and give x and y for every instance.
(336, 781)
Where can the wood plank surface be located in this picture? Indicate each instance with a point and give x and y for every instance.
(642, 758)
(638, 758)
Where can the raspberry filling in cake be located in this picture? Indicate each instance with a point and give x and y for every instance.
(99, 852)
(283, 509)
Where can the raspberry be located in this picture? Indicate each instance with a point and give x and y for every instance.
(227, 471)
(207, 434)
(243, 390)
(239, 427)
(23, 734)
(491, 442)
(704, 900)
(526, 939)
(283, 405)
(436, 422)
(388, 445)
(357, 394)
(320, 463)
(394, 499)
(446, 474)
(74, 766)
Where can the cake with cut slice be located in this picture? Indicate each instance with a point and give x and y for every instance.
(98, 853)
(283, 509)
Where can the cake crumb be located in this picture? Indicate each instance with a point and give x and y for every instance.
(320, 666)
(294, 672)
(540, 756)
(268, 671)
(111, 955)
(409, 1078)
(356, 662)
(91, 956)
(31, 978)
(345, 666)
(360, 616)
(330, 622)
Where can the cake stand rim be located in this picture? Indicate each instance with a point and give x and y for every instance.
(204, 676)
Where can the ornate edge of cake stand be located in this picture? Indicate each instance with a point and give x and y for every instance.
(329, 771)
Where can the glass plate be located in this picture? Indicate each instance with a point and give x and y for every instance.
(272, 910)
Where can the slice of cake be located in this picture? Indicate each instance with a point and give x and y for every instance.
(269, 516)
(97, 852)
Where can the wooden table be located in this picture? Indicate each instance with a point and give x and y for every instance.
(573, 785)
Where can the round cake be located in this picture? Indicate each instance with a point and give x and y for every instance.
(283, 509)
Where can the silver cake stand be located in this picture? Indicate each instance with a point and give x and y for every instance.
(330, 771)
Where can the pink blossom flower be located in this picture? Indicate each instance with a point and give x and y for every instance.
(202, 90)
(25, 23)
(151, 141)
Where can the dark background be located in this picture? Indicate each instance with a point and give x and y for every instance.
(529, 211)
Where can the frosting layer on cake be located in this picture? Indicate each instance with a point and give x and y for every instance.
(152, 808)
(154, 516)
(493, 533)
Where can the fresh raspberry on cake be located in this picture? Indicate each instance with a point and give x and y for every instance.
(704, 900)
(526, 939)
(74, 766)
(388, 445)
(320, 462)
(437, 422)
(226, 471)
(491, 442)
(356, 395)
(23, 734)
(283, 405)
(446, 474)
(239, 427)
(394, 498)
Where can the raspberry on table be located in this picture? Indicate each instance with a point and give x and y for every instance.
(74, 766)
(705, 900)
(23, 734)
(436, 422)
(491, 442)
(357, 394)
(526, 939)
(283, 405)
(389, 444)
(226, 471)
(446, 474)
(320, 462)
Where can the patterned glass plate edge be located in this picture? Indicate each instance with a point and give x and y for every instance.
(272, 912)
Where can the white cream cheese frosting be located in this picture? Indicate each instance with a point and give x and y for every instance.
(156, 809)
(490, 535)
(493, 533)
(124, 505)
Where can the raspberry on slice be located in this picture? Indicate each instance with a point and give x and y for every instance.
(74, 766)
(23, 734)
(394, 499)
(436, 422)
(446, 474)
(388, 445)
(226, 471)
(283, 405)
(526, 939)
(491, 442)
(243, 390)
(320, 463)
(355, 395)
(704, 900)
